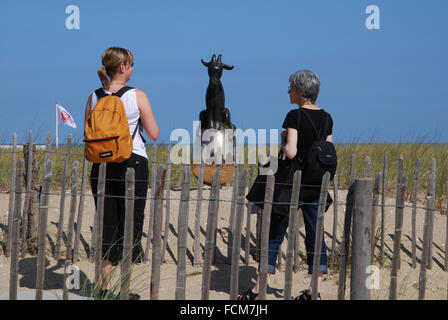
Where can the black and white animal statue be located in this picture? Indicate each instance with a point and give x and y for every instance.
(216, 116)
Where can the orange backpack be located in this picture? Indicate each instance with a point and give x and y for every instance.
(106, 131)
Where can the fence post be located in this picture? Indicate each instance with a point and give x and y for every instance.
(99, 225)
(80, 210)
(43, 217)
(375, 200)
(236, 239)
(232, 211)
(345, 243)
(414, 214)
(197, 217)
(335, 218)
(157, 239)
(248, 222)
(401, 195)
(361, 237)
(292, 231)
(319, 233)
(209, 242)
(26, 205)
(432, 192)
(152, 201)
(70, 227)
(128, 234)
(264, 236)
(182, 234)
(11, 195)
(425, 249)
(15, 228)
(167, 206)
(57, 250)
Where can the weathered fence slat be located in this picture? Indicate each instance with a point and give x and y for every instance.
(236, 244)
(335, 219)
(345, 243)
(375, 200)
(26, 205)
(47, 155)
(152, 203)
(446, 224)
(70, 227)
(232, 212)
(99, 226)
(182, 234)
(431, 192)
(215, 250)
(43, 218)
(11, 194)
(292, 231)
(15, 227)
(352, 169)
(57, 250)
(414, 214)
(128, 234)
(401, 196)
(319, 233)
(157, 239)
(248, 222)
(361, 243)
(425, 249)
(209, 242)
(383, 207)
(82, 196)
(197, 217)
(367, 167)
(264, 236)
(167, 206)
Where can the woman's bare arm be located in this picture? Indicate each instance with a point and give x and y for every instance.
(290, 149)
(88, 108)
(148, 120)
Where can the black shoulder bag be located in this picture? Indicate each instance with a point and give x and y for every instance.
(283, 183)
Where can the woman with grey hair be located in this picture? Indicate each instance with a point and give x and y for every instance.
(302, 127)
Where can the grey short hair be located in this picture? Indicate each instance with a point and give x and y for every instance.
(307, 82)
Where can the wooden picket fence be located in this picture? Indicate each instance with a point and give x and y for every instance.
(365, 197)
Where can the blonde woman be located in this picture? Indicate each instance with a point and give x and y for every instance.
(115, 72)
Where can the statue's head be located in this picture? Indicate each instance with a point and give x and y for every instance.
(215, 67)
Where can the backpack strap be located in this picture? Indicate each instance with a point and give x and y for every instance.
(122, 91)
(100, 93)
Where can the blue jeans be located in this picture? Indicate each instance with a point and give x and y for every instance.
(279, 224)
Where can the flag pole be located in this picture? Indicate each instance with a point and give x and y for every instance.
(57, 125)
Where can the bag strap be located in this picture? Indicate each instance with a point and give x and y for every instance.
(122, 91)
(100, 92)
(319, 133)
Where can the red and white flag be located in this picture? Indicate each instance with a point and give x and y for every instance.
(64, 116)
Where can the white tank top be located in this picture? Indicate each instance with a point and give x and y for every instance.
(133, 114)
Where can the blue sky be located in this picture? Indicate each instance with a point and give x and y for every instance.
(386, 85)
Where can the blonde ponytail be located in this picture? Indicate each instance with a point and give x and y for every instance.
(103, 77)
(111, 59)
